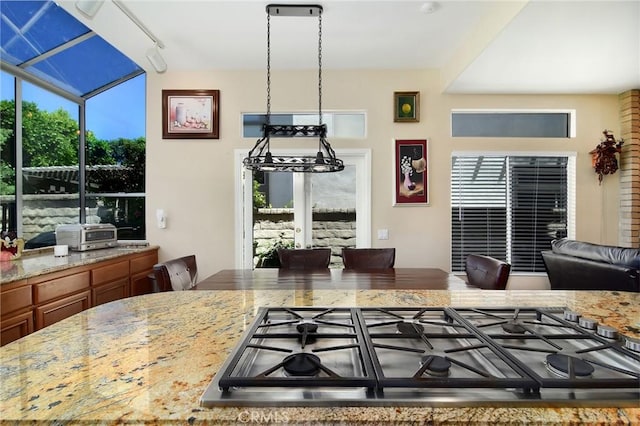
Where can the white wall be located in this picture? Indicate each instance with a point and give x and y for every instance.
(192, 180)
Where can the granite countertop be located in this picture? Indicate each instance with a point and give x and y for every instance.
(42, 261)
(148, 359)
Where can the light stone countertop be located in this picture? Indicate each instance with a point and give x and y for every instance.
(43, 261)
(147, 359)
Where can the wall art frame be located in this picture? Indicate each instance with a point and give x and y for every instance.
(411, 167)
(191, 114)
(406, 107)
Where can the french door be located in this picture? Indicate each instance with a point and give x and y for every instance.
(312, 195)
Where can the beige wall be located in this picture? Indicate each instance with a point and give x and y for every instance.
(192, 180)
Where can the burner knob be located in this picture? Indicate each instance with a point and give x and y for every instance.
(571, 316)
(588, 323)
(607, 332)
(632, 344)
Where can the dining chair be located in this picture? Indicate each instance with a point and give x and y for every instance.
(176, 274)
(304, 258)
(487, 272)
(368, 258)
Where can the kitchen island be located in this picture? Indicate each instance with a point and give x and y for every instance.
(148, 359)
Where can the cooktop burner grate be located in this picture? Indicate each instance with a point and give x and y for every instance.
(434, 356)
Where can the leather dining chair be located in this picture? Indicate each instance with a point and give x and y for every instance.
(487, 272)
(368, 258)
(318, 258)
(176, 274)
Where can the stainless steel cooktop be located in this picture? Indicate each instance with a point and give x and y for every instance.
(312, 356)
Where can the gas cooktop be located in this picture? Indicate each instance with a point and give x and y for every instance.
(312, 356)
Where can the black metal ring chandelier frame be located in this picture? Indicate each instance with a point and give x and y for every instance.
(260, 157)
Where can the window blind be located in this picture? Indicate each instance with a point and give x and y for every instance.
(507, 207)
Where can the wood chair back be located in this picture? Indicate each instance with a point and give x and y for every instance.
(176, 274)
(304, 258)
(368, 258)
(487, 272)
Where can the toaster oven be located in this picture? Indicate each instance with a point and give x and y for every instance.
(86, 236)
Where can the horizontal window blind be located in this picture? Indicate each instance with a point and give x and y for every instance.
(507, 207)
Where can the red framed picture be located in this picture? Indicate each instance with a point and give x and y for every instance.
(411, 186)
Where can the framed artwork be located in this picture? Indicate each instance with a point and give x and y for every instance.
(190, 114)
(411, 182)
(406, 107)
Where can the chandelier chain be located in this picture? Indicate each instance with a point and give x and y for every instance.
(268, 69)
(320, 69)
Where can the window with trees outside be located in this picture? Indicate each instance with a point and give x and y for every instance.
(41, 161)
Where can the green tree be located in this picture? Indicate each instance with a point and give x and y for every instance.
(7, 172)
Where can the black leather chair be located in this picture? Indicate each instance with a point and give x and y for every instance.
(176, 274)
(580, 265)
(487, 272)
(368, 258)
(304, 258)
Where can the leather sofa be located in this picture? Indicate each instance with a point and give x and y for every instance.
(578, 265)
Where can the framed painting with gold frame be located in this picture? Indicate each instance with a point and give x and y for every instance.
(406, 107)
(411, 181)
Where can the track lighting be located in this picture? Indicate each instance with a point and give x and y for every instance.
(156, 59)
(89, 8)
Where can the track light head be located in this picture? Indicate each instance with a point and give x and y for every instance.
(156, 59)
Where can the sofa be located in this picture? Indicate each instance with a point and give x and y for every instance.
(578, 265)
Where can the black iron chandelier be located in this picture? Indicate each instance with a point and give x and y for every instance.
(260, 157)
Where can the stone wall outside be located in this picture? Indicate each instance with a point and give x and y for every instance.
(42, 212)
(333, 228)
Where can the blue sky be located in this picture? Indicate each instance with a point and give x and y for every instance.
(116, 113)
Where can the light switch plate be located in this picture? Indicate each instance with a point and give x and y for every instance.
(383, 234)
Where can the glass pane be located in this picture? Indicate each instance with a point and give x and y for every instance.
(84, 67)
(507, 207)
(116, 158)
(8, 154)
(31, 28)
(538, 208)
(125, 212)
(339, 124)
(50, 165)
(333, 196)
(510, 124)
(272, 217)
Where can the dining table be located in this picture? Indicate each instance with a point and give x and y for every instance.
(321, 279)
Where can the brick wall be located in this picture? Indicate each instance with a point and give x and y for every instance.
(629, 217)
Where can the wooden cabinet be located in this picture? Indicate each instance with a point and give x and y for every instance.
(39, 301)
(110, 282)
(53, 312)
(61, 294)
(16, 303)
(141, 266)
(15, 327)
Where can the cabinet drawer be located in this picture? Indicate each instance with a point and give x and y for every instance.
(16, 327)
(144, 263)
(141, 284)
(15, 299)
(50, 290)
(61, 309)
(109, 273)
(115, 290)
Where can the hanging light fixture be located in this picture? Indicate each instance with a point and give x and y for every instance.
(260, 157)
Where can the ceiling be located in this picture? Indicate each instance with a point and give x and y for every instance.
(533, 47)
